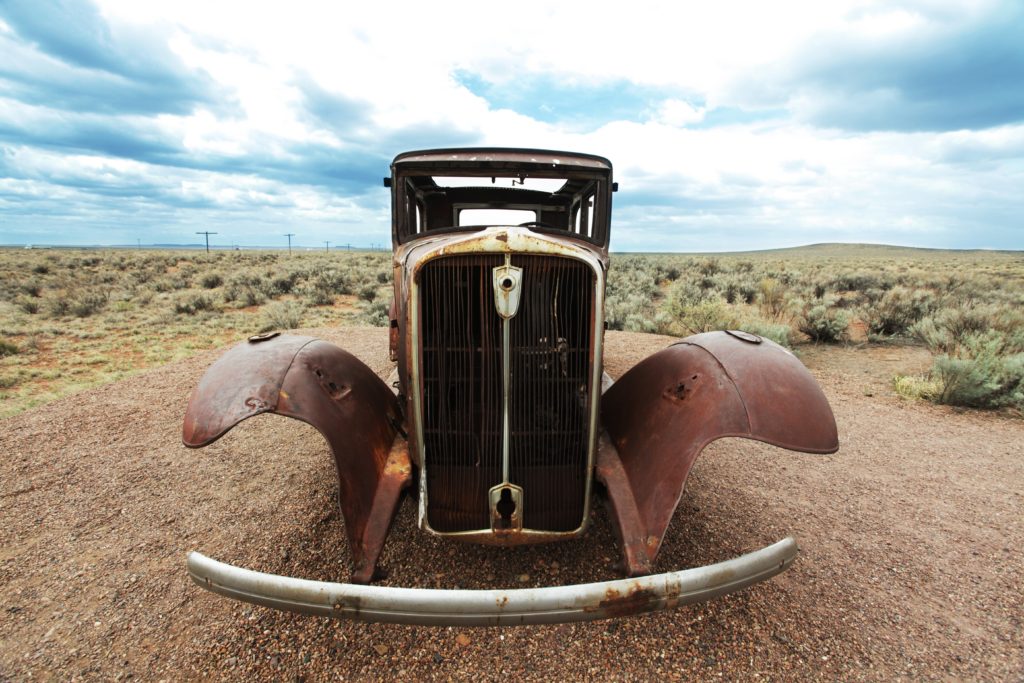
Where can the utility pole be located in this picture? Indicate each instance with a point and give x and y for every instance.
(327, 245)
(290, 235)
(139, 240)
(207, 239)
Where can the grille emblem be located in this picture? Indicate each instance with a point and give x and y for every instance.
(507, 281)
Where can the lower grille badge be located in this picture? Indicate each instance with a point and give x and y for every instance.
(506, 502)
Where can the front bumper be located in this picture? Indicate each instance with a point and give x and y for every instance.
(438, 607)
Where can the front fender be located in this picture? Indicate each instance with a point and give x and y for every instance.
(662, 413)
(311, 380)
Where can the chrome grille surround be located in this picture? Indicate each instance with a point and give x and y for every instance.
(493, 245)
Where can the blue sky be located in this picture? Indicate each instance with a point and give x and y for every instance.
(745, 125)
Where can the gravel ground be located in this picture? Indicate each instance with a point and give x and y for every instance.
(910, 562)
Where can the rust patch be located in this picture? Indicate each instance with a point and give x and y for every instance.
(636, 601)
(256, 403)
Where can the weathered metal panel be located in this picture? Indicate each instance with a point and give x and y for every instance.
(329, 388)
(663, 412)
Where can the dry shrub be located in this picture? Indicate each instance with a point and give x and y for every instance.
(983, 374)
(706, 316)
(780, 333)
(772, 298)
(897, 310)
(823, 323)
(87, 304)
(211, 281)
(194, 304)
(375, 313)
(283, 315)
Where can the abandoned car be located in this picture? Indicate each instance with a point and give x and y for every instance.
(500, 421)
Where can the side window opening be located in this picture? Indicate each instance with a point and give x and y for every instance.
(583, 216)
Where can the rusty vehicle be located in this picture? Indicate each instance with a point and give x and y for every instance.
(501, 421)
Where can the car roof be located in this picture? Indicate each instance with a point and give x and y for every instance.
(499, 158)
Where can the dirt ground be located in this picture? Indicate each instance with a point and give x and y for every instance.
(910, 564)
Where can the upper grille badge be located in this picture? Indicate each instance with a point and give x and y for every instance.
(507, 281)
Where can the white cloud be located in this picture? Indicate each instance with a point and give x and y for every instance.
(392, 69)
(674, 112)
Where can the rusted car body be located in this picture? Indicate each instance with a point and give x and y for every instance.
(501, 421)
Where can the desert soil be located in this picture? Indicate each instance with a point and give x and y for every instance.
(910, 564)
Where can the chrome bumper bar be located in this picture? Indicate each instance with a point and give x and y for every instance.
(437, 607)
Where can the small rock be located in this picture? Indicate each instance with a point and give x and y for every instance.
(381, 649)
(523, 578)
(438, 659)
(231, 662)
(285, 555)
(463, 640)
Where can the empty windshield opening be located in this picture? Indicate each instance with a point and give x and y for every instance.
(496, 216)
(548, 200)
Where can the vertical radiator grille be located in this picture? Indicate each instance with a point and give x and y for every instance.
(550, 390)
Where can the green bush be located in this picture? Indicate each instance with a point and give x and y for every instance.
(57, 307)
(705, 316)
(368, 293)
(860, 281)
(981, 370)
(772, 298)
(283, 315)
(982, 374)
(822, 323)
(8, 349)
(897, 311)
(193, 304)
(87, 304)
(285, 284)
(320, 297)
(910, 386)
(947, 329)
(779, 333)
(331, 281)
(30, 306)
(375, 313)
(212, 281)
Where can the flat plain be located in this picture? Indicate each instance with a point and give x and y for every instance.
(909, 567)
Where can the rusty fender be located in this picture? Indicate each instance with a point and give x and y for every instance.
(662, 413)
(437, 607)
(316, 382)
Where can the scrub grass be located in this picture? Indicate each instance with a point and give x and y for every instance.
(72, 319)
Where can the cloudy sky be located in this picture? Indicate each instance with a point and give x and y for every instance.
(731, 125)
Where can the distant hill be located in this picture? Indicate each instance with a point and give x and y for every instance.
(846, 252)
